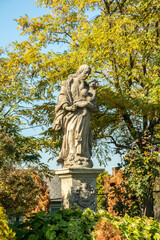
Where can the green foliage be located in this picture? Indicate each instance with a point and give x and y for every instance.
(118, 39)
(133, 228)
(6, 148)
(139, 228)
(141, 171)
(18, 192)
(63, 224)
(5, 232)
(101, 197)
(136, 227)
(16, 99)
(81, 225)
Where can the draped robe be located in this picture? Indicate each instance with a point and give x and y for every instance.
(75, 124)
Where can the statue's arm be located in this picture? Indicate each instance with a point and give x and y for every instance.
(69, 108)
(93, 107)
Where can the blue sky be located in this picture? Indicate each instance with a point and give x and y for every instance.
(13, 9)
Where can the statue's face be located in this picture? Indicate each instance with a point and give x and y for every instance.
(85, 74)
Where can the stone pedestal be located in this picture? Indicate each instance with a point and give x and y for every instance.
(78, 187)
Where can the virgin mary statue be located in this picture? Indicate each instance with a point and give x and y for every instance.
(76, 101)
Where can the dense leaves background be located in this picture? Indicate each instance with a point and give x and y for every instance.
(77, 224)
(118, 39)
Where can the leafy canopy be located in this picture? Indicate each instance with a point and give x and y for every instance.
(118, 39)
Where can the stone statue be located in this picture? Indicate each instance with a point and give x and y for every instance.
(76, 101)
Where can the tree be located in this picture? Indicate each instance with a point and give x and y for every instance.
(101, 196)
(16, 99)
(42, 196)
(23, 192)
(119, 40)
(16, 150)
(18, 192)
(6, 147)
(121, 44)
(141, 171)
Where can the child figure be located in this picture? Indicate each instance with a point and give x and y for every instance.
(89, 98)
(92, 94)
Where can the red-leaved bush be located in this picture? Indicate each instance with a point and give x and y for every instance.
(106, 231)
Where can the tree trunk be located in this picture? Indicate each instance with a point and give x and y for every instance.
(148, 210)
(17, 220)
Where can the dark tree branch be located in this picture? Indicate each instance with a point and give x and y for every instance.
(144, 123)
(107, 5)
(117, 144)
(120, 6)
(2, 107)
(11, 108)
(129, 124)
(157, 32)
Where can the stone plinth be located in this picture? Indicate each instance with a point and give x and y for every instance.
(78, 187)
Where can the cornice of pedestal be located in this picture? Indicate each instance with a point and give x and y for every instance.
(88, 172)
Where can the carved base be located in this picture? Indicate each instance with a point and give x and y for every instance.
(78, 187)
(78, 162)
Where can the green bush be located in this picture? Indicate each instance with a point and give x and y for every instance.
(135, 228)
(139, 228)
(83, 225)
(63, 224)
(5, 232)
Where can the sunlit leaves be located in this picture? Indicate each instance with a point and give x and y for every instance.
(118, 39)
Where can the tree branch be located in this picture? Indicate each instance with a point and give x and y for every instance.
(129, 124)
(144, 122)
(117, 144)
(107, 5)
(152, 124)
(2, 107)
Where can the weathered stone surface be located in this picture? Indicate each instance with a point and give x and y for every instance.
(54, 187)
(76, 101)
(78, 187)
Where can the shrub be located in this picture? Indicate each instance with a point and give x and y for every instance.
(63, 224)
(18, 192)
(135, 228)
(71, 224)
(139, 228)
(115, 195)
(5, 232)
(105, 230)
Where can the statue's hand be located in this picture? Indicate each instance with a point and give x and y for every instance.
(74, 107)
(71, 108)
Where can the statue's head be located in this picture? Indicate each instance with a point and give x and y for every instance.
(83, 68)
(84, 71)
